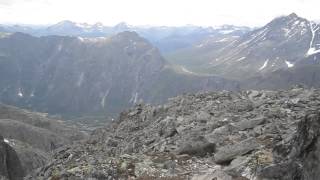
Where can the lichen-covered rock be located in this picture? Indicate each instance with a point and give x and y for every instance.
(300, 157)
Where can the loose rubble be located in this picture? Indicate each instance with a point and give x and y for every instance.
(215, 135)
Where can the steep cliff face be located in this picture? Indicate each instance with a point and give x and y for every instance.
(10, 165)
(62, 74)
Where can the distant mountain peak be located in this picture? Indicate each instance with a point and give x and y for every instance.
(129, 36)
(64, 22)
(98, 24)
(122, 25)
(289, 22)
(293, 15)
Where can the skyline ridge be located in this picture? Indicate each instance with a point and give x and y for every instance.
(124, 23)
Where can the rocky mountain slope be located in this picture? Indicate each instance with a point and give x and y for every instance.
(73, 75)
(216, 135)
(30, 137)
(284, 44)
(307, 75)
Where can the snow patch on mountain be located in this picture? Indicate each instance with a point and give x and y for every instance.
(312, 50)
(289, 64)
(89, 27)
(296, 23)
(20, 93)
(186, 70)
(11, 143)
(265, 64)
(204, 44)
(287, 31)
(226, 31)
(92, 40)
(81, 39)
(223, 40)
(240, 59)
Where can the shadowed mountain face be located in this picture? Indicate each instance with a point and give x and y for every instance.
(76, 75)
(90, 75)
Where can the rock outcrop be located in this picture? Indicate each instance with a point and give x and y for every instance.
(30, 137)
(218, 135)
(10, 165)
(299, 157)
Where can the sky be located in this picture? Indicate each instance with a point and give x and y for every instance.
(155, 12)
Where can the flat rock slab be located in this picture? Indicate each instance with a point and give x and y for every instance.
(249, 123)
(227, 153)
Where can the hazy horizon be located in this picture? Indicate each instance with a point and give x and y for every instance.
(154, 13)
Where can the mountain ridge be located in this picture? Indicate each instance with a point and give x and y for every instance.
(282, 44)
(166, 38)
(59, 74)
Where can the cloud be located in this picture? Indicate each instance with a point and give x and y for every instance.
(6, 2)
(156, 12)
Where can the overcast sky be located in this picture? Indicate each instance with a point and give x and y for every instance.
(155, 12)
